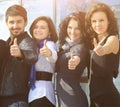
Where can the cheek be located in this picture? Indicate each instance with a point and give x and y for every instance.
(9, 26)
(78, 33)
(34, 33)
(46, 32)
(35, 36)
(107, 26)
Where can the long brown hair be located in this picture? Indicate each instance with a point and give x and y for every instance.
(80, 18)
(48, 20)
(112, 28)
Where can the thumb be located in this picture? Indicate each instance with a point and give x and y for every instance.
(45, 42)
(15, 41)
(71, 56)
(95, 42)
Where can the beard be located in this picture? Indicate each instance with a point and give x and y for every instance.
(16, 33)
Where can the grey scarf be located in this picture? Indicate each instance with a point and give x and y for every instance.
(69, 43)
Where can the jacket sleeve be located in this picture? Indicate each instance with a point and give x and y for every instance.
(28, 50)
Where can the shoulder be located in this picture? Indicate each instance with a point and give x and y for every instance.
(27, 38)
(4, 48)
(79, 46)
(113, 38)
(2, 42)
(113, 42)
(51, 44)
(78, 49)
(27, 42)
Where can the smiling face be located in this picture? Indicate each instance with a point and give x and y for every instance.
(99, 23)
(16, 25)
(41, 30)
(73, 30)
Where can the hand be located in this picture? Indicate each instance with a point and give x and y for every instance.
(72, 62)
(45, 51)
(98, 48)
(14, 49)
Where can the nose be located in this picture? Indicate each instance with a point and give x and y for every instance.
(97, 23)
(15, 25)
(38, 29)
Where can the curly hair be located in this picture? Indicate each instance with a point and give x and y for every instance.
(101, 7)
(80, 18)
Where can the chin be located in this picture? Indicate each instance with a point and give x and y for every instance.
(17, 33)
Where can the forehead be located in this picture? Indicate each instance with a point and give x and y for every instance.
(42, 23)
(73, 22)
(99, 15)
(15, 18)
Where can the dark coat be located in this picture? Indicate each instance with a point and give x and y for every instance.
(3, 51)
(15, 71)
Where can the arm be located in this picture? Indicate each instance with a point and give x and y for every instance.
(28, 50)
(111, 46)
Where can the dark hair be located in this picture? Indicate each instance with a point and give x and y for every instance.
(80, 18)
(48, 20)
(112, 28)
(16, 10)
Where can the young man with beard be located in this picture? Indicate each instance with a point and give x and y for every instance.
(17, 63)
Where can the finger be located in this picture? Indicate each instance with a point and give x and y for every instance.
(15, 41)
(95, 42)
(71, 56)
(45, 43)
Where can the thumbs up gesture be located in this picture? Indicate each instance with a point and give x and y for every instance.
(14, 49)
(45, 51)
(73, 62)
(98, 48)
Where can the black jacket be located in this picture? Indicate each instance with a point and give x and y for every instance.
(15, 72)
(3, 51)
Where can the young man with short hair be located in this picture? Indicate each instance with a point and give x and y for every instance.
(17, 63)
